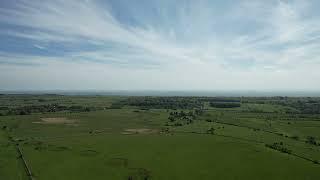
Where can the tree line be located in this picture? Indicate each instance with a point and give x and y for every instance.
(26, 110)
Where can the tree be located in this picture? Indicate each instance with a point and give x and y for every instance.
(210, 130)
(171, 118)
(311, 140)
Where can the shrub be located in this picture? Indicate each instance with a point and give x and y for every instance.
(171, 119)
(23, 112)
(315, 161)
(211, 130)
(311, 140)
(279, 147)
(294, 137)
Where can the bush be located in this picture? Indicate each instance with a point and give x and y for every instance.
(311, 140)
(211, 130)
(315, 161)
(294, 137)
(279, 147)
(171, 119)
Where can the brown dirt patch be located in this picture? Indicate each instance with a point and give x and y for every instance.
(58, 120)
(140, 131)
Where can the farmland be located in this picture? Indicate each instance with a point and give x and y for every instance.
(122, 137)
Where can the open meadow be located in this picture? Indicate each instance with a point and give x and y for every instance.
(129, 138)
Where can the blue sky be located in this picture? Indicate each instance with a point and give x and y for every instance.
(159, 45)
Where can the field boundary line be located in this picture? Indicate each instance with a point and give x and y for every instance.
(27, 168)
(20, 155)
(220, 135)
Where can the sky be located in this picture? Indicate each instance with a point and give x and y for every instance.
(160, 45)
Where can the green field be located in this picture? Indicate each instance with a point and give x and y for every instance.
(111, 137)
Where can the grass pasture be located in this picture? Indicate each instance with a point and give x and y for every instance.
(137, 142)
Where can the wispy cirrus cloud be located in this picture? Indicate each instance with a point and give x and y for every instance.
(256, 37)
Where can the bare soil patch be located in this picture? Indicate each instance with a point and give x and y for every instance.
(57, 120)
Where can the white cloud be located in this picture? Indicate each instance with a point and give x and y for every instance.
(39, 46)
(255, 42)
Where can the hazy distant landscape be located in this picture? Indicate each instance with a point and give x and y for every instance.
(225, 93)
(159, 137)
